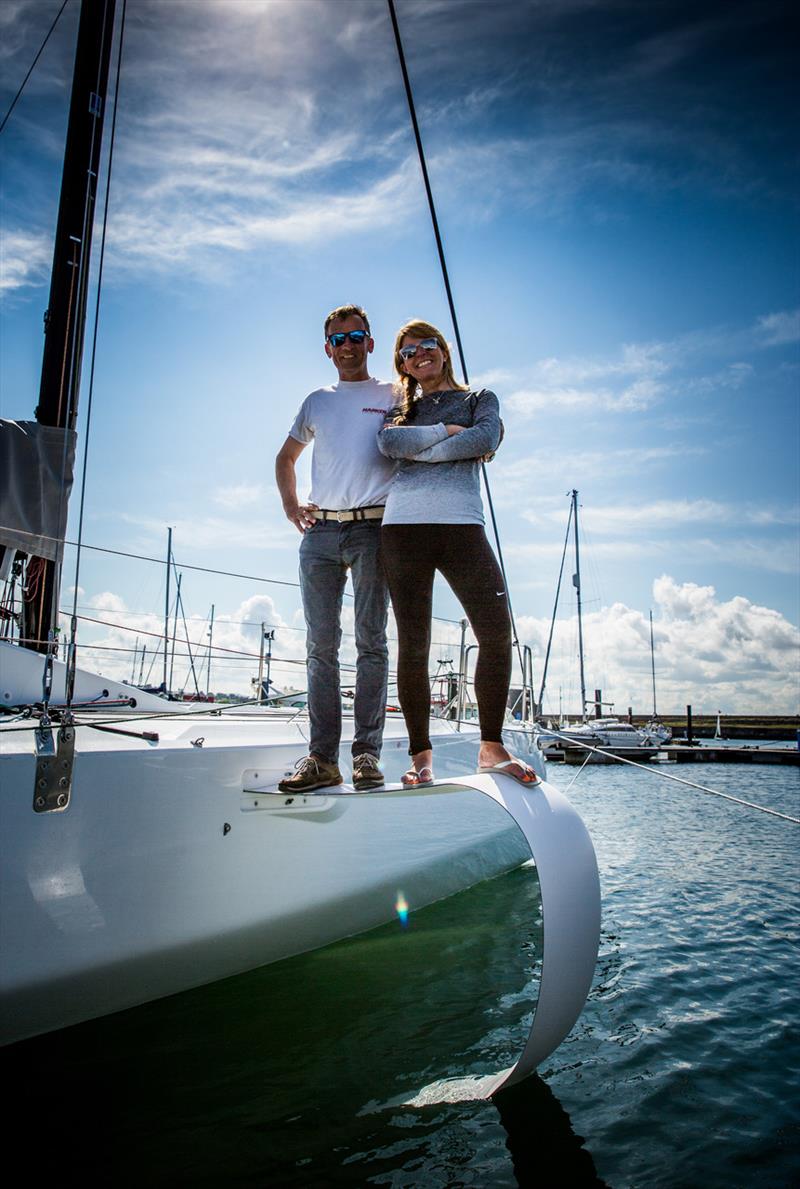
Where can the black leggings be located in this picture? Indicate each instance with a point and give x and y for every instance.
(412, 553)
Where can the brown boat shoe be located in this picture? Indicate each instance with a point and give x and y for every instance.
(311, 773)
(366, 773)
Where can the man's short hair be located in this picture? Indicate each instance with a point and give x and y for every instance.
(342, 312)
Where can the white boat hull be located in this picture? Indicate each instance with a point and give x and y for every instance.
(164, 872)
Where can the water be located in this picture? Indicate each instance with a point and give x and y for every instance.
(684, 1069)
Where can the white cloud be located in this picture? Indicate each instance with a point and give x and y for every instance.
(734, 375)
(215, 533)
(617, 517)
(168, 233)
(779, 328)
(733, 655)
(625, 383)
(239, 495)
(641, 375)
(235, 129)
(779, 557)
(550, 467)
(110, 631)
(25, 259)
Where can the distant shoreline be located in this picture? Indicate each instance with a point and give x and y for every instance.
(732, 726)
(704, 726)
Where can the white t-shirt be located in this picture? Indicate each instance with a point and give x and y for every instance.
(347, 468)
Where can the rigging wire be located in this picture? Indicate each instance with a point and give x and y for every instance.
(72, 654)
(553, 618)
(159, 561)
(200, 644)
(33, 64)
(451, 304)
(186, 633)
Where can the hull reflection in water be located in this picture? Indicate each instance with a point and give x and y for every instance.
(282, 1075)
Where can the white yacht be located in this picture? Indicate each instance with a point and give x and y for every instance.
(145, 847)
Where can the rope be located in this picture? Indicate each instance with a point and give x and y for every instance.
(33, 64)
(678, 779)
(577, 774)
(451, 304)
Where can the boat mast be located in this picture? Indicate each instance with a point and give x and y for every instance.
(576, 582)
(653, 665)
(210, 641)
(65, 317)
(174, 633)
(166, 612)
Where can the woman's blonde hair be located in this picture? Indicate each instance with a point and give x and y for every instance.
(406, 385)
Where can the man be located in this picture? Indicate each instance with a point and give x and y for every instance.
(341, 527)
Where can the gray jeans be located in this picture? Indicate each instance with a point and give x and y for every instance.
(328, 550)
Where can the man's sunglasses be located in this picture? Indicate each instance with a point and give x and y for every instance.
(355, 336)
(426, 345)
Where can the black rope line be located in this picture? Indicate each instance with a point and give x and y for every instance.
(33, 65)
(450, 301)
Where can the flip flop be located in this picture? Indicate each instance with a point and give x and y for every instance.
(414, 780)
(528, 776)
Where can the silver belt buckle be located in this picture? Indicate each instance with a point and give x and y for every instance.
(339, 516)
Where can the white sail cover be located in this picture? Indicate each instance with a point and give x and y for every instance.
(36, 468)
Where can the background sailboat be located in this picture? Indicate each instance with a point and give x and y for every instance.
(609, 735)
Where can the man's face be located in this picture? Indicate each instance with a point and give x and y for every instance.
(349, 359)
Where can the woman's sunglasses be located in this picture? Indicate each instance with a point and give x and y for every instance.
(426, 345)
(355, 336)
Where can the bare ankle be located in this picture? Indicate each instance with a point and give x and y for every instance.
(492, 752)
(422, 759)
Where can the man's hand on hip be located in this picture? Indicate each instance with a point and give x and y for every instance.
(301, 515)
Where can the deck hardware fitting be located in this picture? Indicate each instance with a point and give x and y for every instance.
(52, 783)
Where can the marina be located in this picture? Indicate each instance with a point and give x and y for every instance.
(727, 752)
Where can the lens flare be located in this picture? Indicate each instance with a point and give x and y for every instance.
(401, 905)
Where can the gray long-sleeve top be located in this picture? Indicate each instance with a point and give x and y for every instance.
(449, 492)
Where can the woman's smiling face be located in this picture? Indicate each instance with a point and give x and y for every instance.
(427, 364)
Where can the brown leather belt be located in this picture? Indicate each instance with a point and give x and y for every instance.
(348, 514)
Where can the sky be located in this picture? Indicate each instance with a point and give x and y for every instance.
(616, 184)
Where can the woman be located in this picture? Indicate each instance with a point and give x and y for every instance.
(434, 521)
